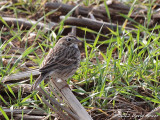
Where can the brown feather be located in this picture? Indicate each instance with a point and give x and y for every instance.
(62, 61)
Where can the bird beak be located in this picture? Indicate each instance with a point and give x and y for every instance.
(78, 41)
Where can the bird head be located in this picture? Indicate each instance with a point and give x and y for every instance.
(69, 40)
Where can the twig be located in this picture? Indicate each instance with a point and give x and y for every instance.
(152, 115)
(57, 105)
(73, 30)
(55, 93)
(28, 117)
(59, 112)
(25, 88)
(25, 111)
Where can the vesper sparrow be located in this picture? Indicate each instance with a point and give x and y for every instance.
(62, 61)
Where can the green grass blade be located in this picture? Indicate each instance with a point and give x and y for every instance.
(4, 113)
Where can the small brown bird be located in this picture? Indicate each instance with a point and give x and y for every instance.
(62, 61)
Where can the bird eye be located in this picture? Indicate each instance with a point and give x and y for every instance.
(69, 39)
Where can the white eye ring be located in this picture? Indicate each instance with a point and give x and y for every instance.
(69, 39)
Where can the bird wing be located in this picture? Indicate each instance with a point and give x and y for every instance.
(59, 57)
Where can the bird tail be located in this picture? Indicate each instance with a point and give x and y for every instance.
(38, 81)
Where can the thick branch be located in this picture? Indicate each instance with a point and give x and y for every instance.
(92, 24)
(97, 12)
(28, 23)
(20, 75)
(70, 99)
